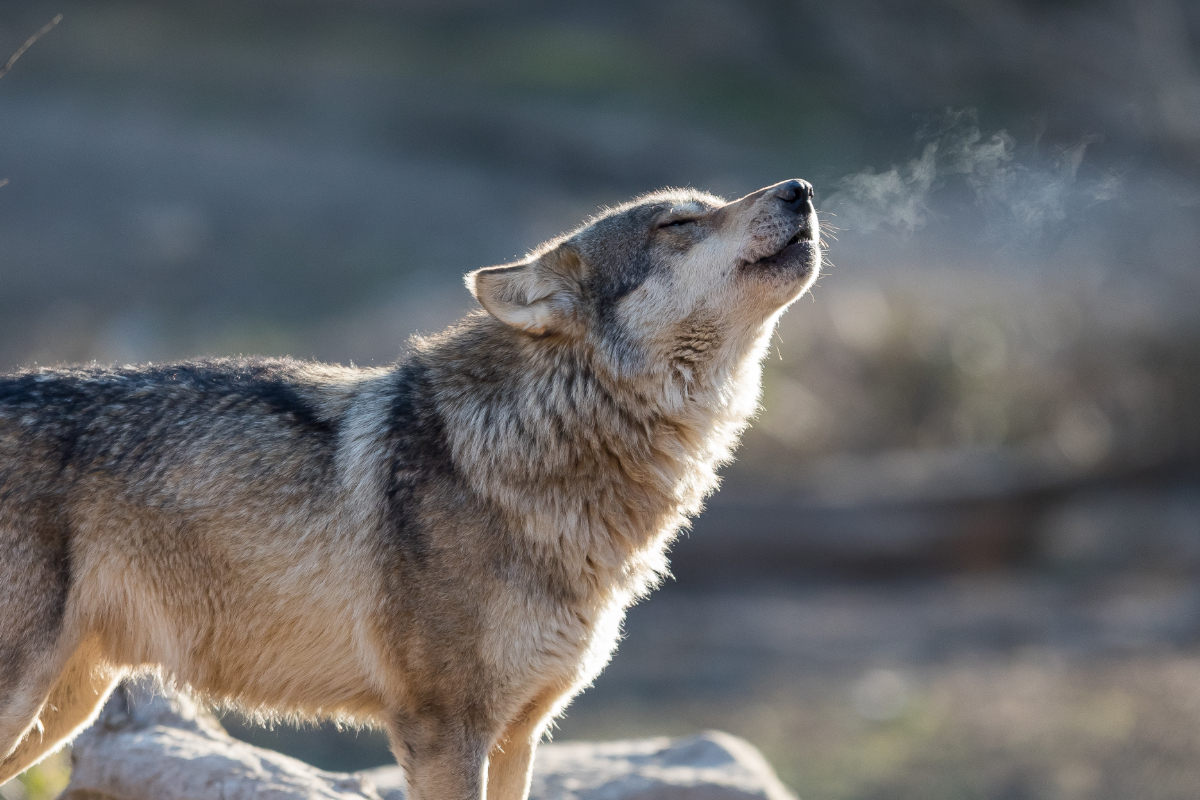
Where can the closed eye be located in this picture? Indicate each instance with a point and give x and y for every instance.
(675, 223)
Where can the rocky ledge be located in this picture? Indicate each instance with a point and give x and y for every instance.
(148, 745)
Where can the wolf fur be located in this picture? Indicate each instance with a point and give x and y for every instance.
(445, 547)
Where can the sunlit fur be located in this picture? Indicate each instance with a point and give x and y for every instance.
(445, 548)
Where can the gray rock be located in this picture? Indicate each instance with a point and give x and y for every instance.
(153, 746)
(710, 766)
(147, 745)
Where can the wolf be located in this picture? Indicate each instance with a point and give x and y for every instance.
(445, 547)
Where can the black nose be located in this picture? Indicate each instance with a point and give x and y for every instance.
(796, 195)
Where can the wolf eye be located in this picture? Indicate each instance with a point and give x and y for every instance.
(675, 223)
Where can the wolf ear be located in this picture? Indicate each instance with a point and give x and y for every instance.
(539, 296)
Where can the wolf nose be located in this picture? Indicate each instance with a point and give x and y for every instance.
(796, 195)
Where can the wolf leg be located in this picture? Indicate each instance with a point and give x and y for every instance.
(20, 701)
(34, 583)
(72, 704)
(442, 760)
(25, 682)
(510, 764)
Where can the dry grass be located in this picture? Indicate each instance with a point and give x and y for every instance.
(1033, 727)
(896, 364)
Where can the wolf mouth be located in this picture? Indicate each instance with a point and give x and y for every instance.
(800, 247)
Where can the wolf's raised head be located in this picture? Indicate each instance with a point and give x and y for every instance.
(671, 279)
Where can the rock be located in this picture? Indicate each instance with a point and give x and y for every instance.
(148, 746)
(710, 766)
(154, 746)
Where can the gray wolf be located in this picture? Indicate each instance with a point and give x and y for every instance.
(444, 548)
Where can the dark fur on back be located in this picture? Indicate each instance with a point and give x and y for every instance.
(127, 420)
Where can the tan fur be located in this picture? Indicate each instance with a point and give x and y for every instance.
(445, 548)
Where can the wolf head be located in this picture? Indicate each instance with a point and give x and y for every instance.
(673, 278)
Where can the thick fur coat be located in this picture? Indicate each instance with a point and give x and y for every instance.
(445, 548)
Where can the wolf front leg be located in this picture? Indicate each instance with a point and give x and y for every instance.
(510, 764)
(442, 759)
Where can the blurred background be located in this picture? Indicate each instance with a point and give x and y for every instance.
(959, 554)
